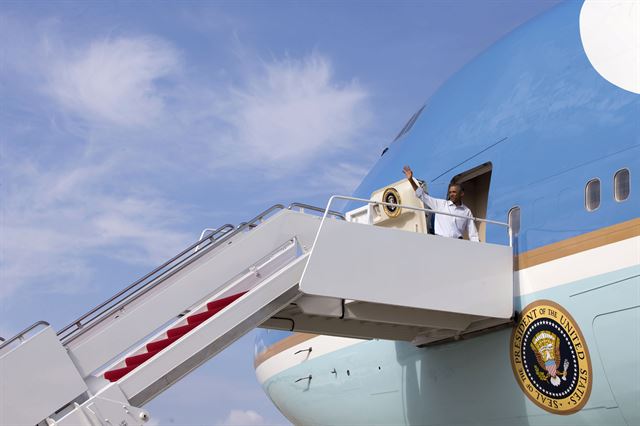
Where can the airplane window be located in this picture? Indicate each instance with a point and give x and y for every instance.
(514, 220)
(592, 195)
(621, 185)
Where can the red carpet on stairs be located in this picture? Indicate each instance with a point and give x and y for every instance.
(172, 335)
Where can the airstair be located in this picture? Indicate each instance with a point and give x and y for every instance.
(288, 268)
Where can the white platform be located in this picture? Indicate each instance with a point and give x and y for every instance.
(36, 378)
(408, 269)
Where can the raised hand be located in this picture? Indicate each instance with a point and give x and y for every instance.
(407, 172)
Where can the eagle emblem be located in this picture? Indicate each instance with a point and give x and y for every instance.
(546, 347)
(391, 196)
(550, 358)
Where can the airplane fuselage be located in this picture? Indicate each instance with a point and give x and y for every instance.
(554, 140)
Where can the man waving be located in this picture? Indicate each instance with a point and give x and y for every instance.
(447, 226)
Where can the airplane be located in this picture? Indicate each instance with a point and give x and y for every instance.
(543, 136)
(366, 317)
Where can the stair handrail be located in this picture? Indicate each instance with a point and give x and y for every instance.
(104, 311)
(20, 335)
(229, 227)
(364, 200)
(303, 206)
(78, 322)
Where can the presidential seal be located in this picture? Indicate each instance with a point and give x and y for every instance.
(391, 196)
(550, 358)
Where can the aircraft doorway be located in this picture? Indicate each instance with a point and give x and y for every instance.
(475, 183)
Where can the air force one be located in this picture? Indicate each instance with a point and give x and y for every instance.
(367, 318)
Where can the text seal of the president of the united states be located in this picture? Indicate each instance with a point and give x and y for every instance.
(550, 359)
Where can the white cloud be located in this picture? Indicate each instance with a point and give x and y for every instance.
(54, 222)
(294, 111)
(115, 80)
(243, 418)
(277, 117)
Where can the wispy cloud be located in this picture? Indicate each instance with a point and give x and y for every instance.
(243, 418)
(115, 80)
(294, 111)
(54, 222)
(278, 116)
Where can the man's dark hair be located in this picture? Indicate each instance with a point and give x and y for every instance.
(460, 187)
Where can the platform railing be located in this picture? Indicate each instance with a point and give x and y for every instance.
(303, 207)
(21, 336)
(382, 203)
(151, 280)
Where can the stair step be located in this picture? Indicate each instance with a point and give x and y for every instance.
(180, 331)
(173, 334)
(134, 361)
(117, 374)
(201, 317)
(158, 345)
(217, 305)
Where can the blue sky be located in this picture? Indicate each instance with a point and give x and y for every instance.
(128, 127)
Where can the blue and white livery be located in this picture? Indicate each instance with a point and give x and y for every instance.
(545, 128)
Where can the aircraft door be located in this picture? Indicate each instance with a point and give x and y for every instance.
(475, 183)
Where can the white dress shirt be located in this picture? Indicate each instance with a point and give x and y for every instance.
(449, 226)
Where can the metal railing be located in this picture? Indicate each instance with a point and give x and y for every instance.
(212, 231)
(382, 203)
(304, 207)
(143, 285)
(21, 335)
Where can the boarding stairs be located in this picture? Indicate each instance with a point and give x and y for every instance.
(288, 268)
